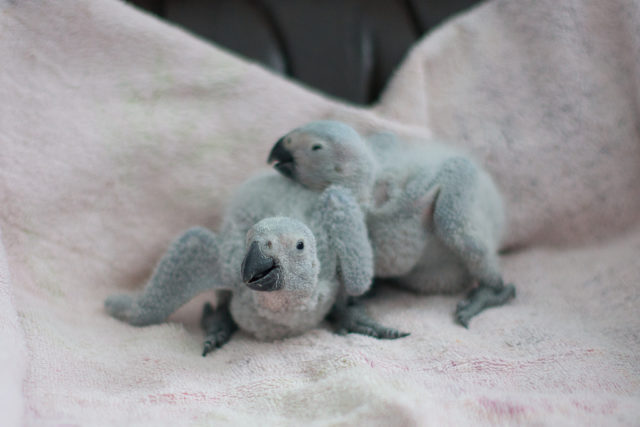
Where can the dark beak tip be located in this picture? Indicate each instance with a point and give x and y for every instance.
(279, 153)
(255, 268)
(277, 147)
(272, 158)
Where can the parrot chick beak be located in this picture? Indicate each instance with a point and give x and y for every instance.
(285, 161)
(260, 272)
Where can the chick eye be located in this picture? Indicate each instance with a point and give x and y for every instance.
(316, 147)
(300, 245)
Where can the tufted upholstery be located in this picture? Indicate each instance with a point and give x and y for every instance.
(345, 48)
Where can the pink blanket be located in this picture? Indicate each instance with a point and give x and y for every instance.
(118, 131)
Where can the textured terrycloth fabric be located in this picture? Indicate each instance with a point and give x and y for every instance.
(118, 131)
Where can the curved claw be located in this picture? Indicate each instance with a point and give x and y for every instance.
(392, 334)
(207, 347)
(354, 319)
(463, 319)
(481, 298)
(215, 340)
(218, 326)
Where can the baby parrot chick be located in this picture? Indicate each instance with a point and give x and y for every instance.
(435, 218)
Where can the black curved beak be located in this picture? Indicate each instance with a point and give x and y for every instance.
(285, 162)
(260, 272)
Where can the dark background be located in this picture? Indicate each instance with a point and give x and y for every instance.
(344, 48)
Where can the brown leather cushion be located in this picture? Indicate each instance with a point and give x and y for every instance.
(345, 48)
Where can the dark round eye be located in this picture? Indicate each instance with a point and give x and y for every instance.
(316, 147)
(300, 245)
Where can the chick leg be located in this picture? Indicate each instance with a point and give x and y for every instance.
(462, 219)
(218, 326)
(188, 268)
(348, 315)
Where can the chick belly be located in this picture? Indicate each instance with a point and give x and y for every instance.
(397, 246)
(439, 270)
(271, 317)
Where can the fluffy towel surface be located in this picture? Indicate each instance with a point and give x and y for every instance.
(118, 131)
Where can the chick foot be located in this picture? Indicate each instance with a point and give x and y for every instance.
(481, 298)
(353, 318)
(218, 326)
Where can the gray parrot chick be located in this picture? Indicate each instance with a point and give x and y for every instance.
(284, 255)
(283, 295)
(276, 291)
(434, 217)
